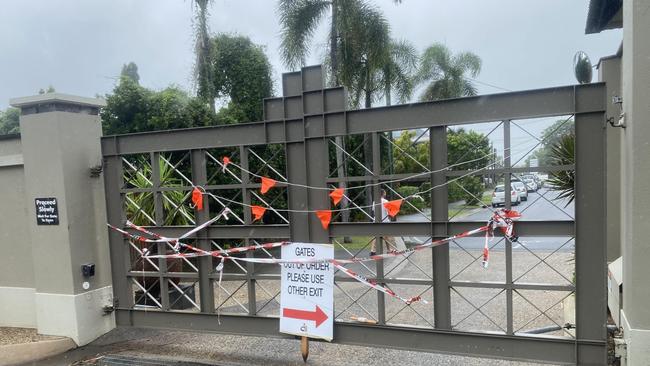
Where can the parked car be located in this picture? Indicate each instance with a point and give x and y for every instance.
(498, 196)
(531, 185)
(522, 189)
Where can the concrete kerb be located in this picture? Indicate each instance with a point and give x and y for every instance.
(15, 354)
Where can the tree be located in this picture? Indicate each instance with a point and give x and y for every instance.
(398, 70)
(133, 108)
(367, 53)
(203, 72)
(444, 73)
(397, 73)
(9, 121)
(130, 71)
(49, 89)
(420, 152)
(299, 20)
(465, 146)
(242, 76)
(550, 137)
(462, 146)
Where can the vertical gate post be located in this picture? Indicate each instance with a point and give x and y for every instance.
(507, 165)
(246, 197)
(60, 147)
(306, 157)
(440, 214)
(160, 221)
(376, 192)
(119, 250)
(590, 242)
(307, 162)
(199, 176)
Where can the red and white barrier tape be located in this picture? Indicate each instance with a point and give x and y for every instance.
(502, 219)
(376, 286)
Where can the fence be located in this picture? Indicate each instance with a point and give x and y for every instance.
(149, 177)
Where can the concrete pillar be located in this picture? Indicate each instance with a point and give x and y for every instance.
(636, 180)
(60, 144)
(609, 70)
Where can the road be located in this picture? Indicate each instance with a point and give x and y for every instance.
(539, 206)
(354, 299)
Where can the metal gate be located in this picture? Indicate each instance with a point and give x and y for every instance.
(151, 175)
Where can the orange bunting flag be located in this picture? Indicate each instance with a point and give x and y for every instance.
(337, 195)
(226, 161)
(258, 212)
(393, 207)
(197, 198)
(512, 214)
(324, 216)
(267, 183)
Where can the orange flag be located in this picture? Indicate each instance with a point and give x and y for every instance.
(512, 214)
(393, 207)
(197, 198)
(258, 212)
(226, 161)
(337, 195)
(267, 183)
(324, 216)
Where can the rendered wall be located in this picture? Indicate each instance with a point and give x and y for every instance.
(16, 269)
(635, 218)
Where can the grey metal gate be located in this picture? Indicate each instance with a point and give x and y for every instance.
(300, 130)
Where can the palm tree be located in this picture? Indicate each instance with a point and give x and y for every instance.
(300, 18)
(397, 75)
(446, 73)
(203, 73)
(398, 71)
(367, 53)
(352, 24)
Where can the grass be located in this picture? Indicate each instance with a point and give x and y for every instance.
(358, 242)
(486, 200)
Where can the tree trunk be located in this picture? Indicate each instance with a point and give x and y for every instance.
(204, 76)
(367, 145)
(387, 94)
(340, 160)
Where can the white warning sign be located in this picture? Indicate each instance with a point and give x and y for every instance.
(307, 294)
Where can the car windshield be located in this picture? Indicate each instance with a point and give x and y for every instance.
(517, 185)
(499, 189)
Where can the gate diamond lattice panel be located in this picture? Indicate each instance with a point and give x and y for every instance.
(310, 143)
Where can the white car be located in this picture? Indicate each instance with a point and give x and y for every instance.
(521, 189)
(498, 196)
(531, 185)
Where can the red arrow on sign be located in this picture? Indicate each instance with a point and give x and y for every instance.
(317, 315)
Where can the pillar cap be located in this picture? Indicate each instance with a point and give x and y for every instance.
(26, 102)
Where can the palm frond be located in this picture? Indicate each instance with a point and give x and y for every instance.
(433, 63)
(468, 88)
(299, 20)
(143, 202)
(446, 73)
(563, 153)
(468, 62)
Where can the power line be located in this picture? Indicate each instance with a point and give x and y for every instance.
(488, 84)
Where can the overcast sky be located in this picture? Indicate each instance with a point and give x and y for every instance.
(79, 46)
